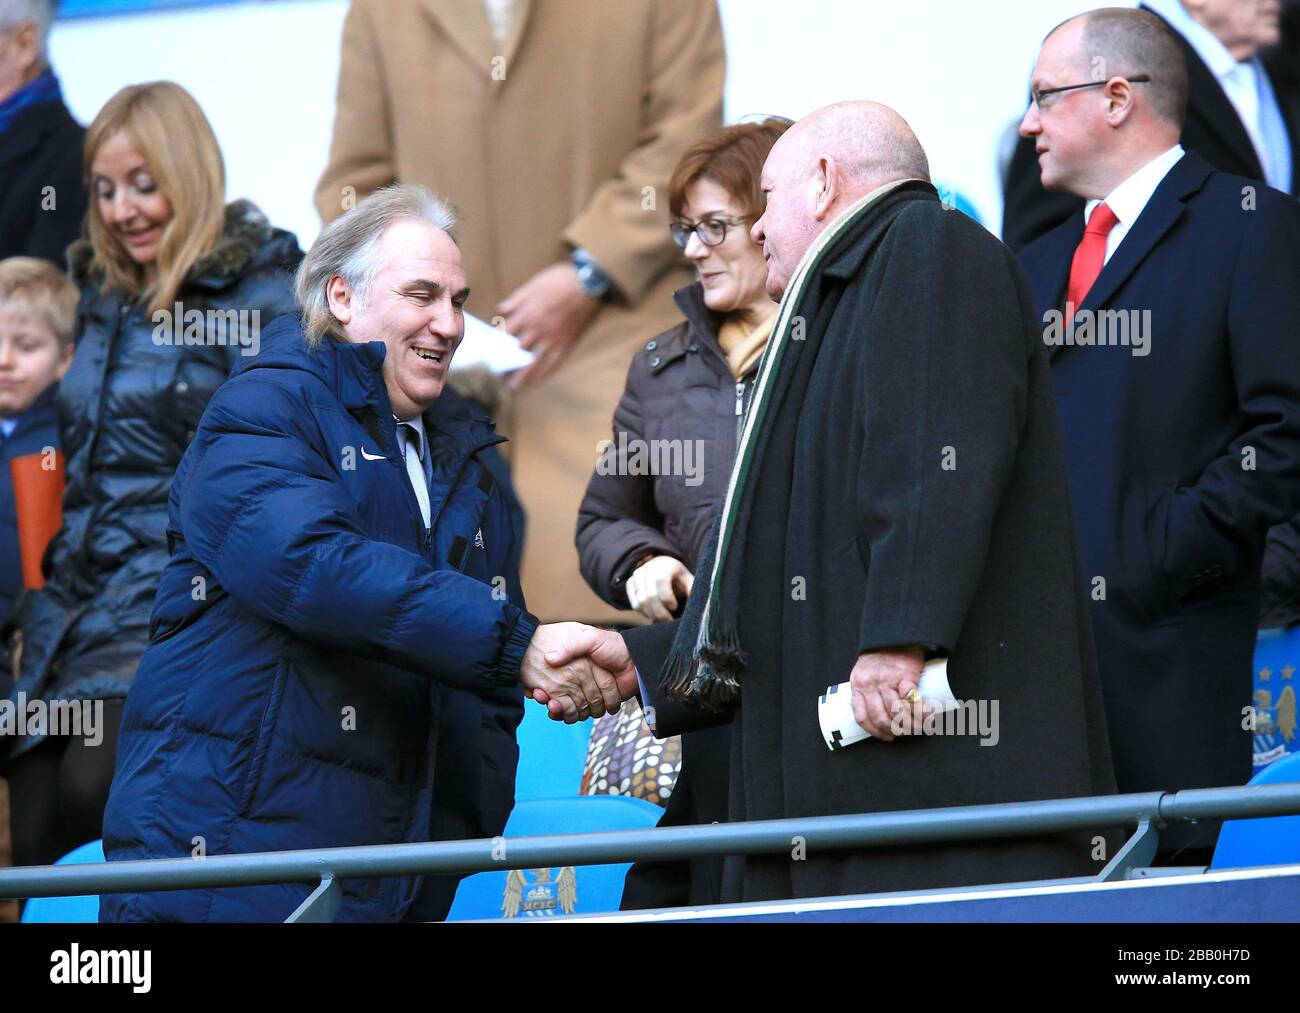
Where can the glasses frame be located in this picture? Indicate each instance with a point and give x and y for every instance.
(1037, 95)
(683, 230)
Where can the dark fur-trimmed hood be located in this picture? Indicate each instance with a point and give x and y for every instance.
(245, 231)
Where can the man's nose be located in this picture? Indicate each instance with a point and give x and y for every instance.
(1030, 124)
(444, 322)
(756, 232)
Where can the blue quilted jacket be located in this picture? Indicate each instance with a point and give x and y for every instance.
(320, 671)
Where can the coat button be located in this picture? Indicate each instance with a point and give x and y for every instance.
(182, 387)
(654, 363)
(650, 346)
(693, 347)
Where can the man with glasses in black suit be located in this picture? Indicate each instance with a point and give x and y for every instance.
(1243, 115)
(1169, 308)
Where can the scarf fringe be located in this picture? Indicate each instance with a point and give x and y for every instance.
(710, 679)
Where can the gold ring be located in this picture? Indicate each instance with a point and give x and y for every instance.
(914, 696)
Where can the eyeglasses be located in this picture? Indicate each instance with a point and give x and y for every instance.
(712, 231)
(1043, 93)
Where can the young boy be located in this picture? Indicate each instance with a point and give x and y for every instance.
(37, 312)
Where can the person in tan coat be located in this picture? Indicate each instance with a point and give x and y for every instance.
(553, 127)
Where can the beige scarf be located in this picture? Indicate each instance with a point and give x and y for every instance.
(744, 343)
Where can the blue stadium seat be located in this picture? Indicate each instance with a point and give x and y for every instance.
(1277, 660)
(68, 910)
(954, 198)
(1273, 840)
(536, 893)
(551, 755)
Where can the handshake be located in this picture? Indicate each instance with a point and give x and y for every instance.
(578, 671)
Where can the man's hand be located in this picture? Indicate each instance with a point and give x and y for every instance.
(571, 686)
(605, 651)
(547, 313)
(880, 680)
(651, 589)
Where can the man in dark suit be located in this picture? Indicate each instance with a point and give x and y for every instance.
(1243, 114)
(1171, 323)
(43, 198)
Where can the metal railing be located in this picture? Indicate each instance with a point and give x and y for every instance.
(324, 868)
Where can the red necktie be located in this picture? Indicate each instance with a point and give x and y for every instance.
(1089, 255)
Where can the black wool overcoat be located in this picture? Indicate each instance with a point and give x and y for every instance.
(928, 505)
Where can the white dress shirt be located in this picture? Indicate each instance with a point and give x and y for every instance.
(1248, 88)
(499, 14)
(1129, 198)
(412, 442)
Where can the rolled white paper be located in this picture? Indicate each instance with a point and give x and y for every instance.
(835, 707)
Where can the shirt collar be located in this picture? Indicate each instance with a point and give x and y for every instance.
(413, 425)
(1129, 198)
(1207, 45)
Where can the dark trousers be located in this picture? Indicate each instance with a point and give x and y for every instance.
(58, 791)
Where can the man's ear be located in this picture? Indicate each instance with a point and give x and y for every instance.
(28, 40)
(1120, 99)
(826, 179)
(340, 296)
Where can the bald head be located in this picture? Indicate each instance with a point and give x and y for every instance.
(1110, 91)
(871, 143)
(1122, 41)
(822, 165)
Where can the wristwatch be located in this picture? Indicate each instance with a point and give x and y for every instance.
(593, 281)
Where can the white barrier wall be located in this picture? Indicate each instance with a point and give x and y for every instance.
(265, 75)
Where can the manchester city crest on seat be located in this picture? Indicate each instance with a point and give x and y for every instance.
(543, 896)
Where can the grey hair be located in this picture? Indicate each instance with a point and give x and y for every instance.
(39, 12)
(348, 248)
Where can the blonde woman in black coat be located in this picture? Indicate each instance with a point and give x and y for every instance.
(175, 286)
